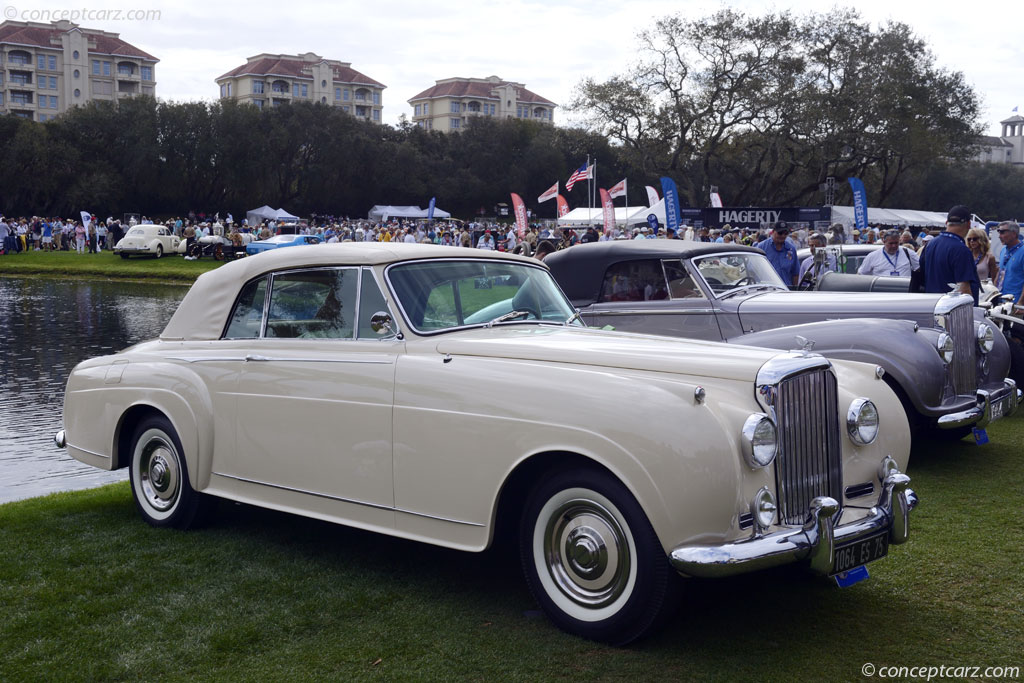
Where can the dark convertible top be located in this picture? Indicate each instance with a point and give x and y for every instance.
(580, 270)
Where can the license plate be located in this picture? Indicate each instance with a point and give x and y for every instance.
(996, 409)
(859, 553)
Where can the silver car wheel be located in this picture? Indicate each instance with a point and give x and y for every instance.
(584, 554)
(156, 465)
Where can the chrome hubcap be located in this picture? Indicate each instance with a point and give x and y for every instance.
(159, 474)
(587, 553)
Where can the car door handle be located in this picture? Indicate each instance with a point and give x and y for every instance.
(253, 356)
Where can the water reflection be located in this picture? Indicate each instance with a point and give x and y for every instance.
(46, 327)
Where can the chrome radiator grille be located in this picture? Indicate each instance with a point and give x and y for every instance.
(960, 326)
(809, 461)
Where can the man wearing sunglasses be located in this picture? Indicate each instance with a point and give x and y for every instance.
(782, 253)
(1011, 264)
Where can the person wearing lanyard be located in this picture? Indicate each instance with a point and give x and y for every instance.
(946, 260)
(890, 260)
(1011, 266)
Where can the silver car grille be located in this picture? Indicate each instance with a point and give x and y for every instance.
(963, 370)
(809, 460)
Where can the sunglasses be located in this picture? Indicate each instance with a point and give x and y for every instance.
(972, 239)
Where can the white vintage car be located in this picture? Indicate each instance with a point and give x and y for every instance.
(153, 240)
(445, 395)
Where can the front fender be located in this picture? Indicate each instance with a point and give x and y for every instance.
(906, 352)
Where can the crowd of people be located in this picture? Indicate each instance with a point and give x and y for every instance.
(905, 251)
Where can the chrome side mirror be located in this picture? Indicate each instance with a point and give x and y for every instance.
(381, 323)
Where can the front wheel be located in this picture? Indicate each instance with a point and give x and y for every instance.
(124, 256)
(159, 477)
(159, 250)
(592, 559)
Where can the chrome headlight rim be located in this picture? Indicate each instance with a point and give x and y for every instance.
(760, 441)
(986, 338)
(862, 421)
(945, 347)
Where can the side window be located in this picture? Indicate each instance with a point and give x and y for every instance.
(247, 315)
(313, 304)
(634, 281)
(371, 301)
(680, 282)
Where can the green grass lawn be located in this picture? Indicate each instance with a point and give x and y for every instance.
(90, 592)
(105, 264)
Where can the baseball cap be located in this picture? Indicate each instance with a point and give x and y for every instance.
(780, 226)
(959, 214)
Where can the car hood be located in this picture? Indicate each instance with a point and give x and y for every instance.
(581, 346)
(766, 311)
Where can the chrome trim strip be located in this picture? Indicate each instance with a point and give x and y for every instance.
(280, 359)
(692, 311)
(346, 500)
(86, 450)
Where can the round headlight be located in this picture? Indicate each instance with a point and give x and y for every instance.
(763, 508)
(944, 345)
(862, 421)
(759, 440)
(986, 340)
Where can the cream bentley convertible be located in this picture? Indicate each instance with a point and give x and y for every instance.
(436, 393)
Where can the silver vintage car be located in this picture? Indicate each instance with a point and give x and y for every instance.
(943, 357)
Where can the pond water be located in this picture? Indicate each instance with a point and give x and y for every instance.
(46, 327)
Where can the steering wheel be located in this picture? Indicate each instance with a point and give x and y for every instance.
(743, 281)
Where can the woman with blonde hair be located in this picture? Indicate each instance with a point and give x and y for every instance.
(984, 261)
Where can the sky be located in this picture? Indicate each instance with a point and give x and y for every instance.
(548, 46)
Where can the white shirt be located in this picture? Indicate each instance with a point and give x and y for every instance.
(881, 263)
(485, 243)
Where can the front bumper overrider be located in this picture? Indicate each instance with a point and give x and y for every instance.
(814, 542)
(981, 414)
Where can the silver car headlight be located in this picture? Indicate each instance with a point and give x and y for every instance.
(760, 440)
(986, 340)
(763, 507)
(944, 345)
(862, 421)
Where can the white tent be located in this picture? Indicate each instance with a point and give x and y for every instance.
(283, 215)
(256, 216)
(383, 212)
(624, 215)
(936, 219)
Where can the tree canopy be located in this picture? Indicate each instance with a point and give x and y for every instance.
(767, 107)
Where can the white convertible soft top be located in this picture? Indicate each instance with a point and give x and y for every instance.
(203, 312)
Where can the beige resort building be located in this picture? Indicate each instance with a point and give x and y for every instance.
(268, 80)
(453, 101)
(45, 69)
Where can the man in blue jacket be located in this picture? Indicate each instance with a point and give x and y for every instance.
(947, 259)
(782, 253)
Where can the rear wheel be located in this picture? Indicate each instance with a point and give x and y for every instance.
(592, 559)
(159, 477)
(124, 256)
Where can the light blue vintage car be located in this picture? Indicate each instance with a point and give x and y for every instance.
(279, 241)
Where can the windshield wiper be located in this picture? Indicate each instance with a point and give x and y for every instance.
(508, 316)
(574, 316)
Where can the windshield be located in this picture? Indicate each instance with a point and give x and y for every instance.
(277, 239)
(727, 272)
(445, 294)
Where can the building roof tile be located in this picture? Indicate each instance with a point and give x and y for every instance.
(37, 35)
(481, 89)
(297, 68)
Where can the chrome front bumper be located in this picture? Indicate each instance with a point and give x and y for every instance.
(1007, 398)
(815, 541)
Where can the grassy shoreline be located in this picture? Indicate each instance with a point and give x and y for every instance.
(92, 593)
(105, 265)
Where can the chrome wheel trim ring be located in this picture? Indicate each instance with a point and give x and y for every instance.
(584, 554)
(159, 472)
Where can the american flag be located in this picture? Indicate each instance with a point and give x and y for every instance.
(582, 173)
